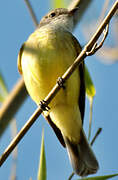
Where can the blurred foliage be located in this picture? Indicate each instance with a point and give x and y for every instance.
(90, 89)
(59, 3)
(3, 96)
(3, 89)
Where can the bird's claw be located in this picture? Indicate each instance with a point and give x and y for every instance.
(60, 82)
(43, 105)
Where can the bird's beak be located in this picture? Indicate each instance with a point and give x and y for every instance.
(72, 12)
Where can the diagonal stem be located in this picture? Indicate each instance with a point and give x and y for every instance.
(96, 135)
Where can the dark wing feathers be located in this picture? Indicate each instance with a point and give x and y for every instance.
(81, 99)
(56, 130)
(20, 58)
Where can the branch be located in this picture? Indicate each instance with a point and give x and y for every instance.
(11, 105)
(15, 151)
(104, 10)
(19, 94)
(56, 88)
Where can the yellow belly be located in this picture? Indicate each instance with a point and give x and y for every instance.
(55, 52)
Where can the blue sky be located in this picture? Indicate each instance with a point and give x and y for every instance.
(16, 26)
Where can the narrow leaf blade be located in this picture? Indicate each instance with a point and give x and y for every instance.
(3, 89)
(90, 92)
(42, 173)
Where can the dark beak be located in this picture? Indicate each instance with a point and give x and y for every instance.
(75, 14)
(73, 11)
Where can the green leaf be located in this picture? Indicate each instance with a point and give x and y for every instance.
(42, 173)
(90, 89)
(90, 92)
(58, 3)
(1, 98)
(100, 177)
(3, 89)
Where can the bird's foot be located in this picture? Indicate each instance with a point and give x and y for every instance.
(43, 105)
(60, 82)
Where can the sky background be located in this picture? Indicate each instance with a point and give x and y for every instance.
(15, 27)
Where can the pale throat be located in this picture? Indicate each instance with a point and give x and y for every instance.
(65, 23)
(60, 23)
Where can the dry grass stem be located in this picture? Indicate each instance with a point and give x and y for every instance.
(96, 135)
(33, 15)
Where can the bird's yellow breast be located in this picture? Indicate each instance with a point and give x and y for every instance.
(47, 55)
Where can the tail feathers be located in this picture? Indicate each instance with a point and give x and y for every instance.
(82, 157)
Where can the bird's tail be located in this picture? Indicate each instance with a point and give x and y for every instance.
(81, 156)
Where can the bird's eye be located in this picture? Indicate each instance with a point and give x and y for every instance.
(52, 14)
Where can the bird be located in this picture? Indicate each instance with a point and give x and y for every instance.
(42, 59)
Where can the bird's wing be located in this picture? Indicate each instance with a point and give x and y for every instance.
(56, 130)
(20, 58)
(54, 127)
(81, 99)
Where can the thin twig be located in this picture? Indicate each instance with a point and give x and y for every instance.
(96, 135)
(15, 151)
(90, 118)
(102, 26)
(104, 9)
(96, 46)
(33, 15)
(71, 176)
(19, 136)
(56, 88)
